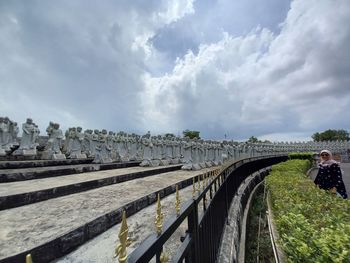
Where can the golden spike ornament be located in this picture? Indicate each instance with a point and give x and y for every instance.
(159, 217)
(29, 258)
(178, 202)
(120, 250)
(164, 258)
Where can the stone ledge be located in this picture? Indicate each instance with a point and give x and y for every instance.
(31, 173)
(17, 200)
(41, 163)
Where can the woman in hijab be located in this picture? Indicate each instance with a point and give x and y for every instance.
(329, 176)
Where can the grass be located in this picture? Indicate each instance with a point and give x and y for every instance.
(258, 243)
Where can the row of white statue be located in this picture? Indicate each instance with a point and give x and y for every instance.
(149, 150)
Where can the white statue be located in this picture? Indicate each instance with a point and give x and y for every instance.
(187, 154)
(76, 138)
(147, 151)
(53, 148)
(29, 139)
(103, 151)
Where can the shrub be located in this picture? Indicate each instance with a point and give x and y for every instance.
(302, 156)
(314, 225)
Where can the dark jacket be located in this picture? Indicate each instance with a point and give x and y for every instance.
(330, 176)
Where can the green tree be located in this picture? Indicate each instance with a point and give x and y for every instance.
(253, 139)
(191, 134)
(331, 135)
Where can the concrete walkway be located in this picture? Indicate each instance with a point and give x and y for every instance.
(346, 175)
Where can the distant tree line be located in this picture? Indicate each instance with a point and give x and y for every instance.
(331, 135)
(253, 139)
(191, 134)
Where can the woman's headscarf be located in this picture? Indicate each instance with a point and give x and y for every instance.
(328, 162)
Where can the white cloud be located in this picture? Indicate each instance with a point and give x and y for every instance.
(103, 65)
(174, 11)
(79, 63)
(261, 83)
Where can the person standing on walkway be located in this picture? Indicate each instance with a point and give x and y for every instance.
(329, 176)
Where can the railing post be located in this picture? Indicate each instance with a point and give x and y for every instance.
(193, 232)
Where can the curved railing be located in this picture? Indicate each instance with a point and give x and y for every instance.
(206, 215)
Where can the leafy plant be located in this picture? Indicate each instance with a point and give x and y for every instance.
(302, 156)
(314, 225)
(331, 135)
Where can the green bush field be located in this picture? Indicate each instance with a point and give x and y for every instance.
(313, 224)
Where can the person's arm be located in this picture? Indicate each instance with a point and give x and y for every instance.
(338, 182)
(317, 179)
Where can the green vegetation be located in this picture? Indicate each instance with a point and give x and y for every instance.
(258, 244)
(331, 135)
(314, 225)
(302, 156)
(254, 139)
(191, 134)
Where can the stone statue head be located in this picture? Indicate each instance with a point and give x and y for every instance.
(56, 126)
(29, 121)
(96, 131)
(79, 129)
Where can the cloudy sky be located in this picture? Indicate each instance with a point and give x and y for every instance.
(275, 69)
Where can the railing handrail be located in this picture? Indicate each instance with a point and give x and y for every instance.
(152, 245)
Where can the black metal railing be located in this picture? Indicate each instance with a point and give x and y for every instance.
(206, 216)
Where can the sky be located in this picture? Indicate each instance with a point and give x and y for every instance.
(274, 69)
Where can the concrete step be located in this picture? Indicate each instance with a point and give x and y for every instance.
(21, 174)
(41, 163)
(16, 194)
(141, 225)
(53, 228)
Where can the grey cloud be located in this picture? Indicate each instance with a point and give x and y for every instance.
(277, 85)
(73, 61)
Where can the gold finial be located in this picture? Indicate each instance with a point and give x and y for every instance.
(29, 258)
(164, 258)
(120, 250)
(159, 217)
(178, 202)
(194, 187)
